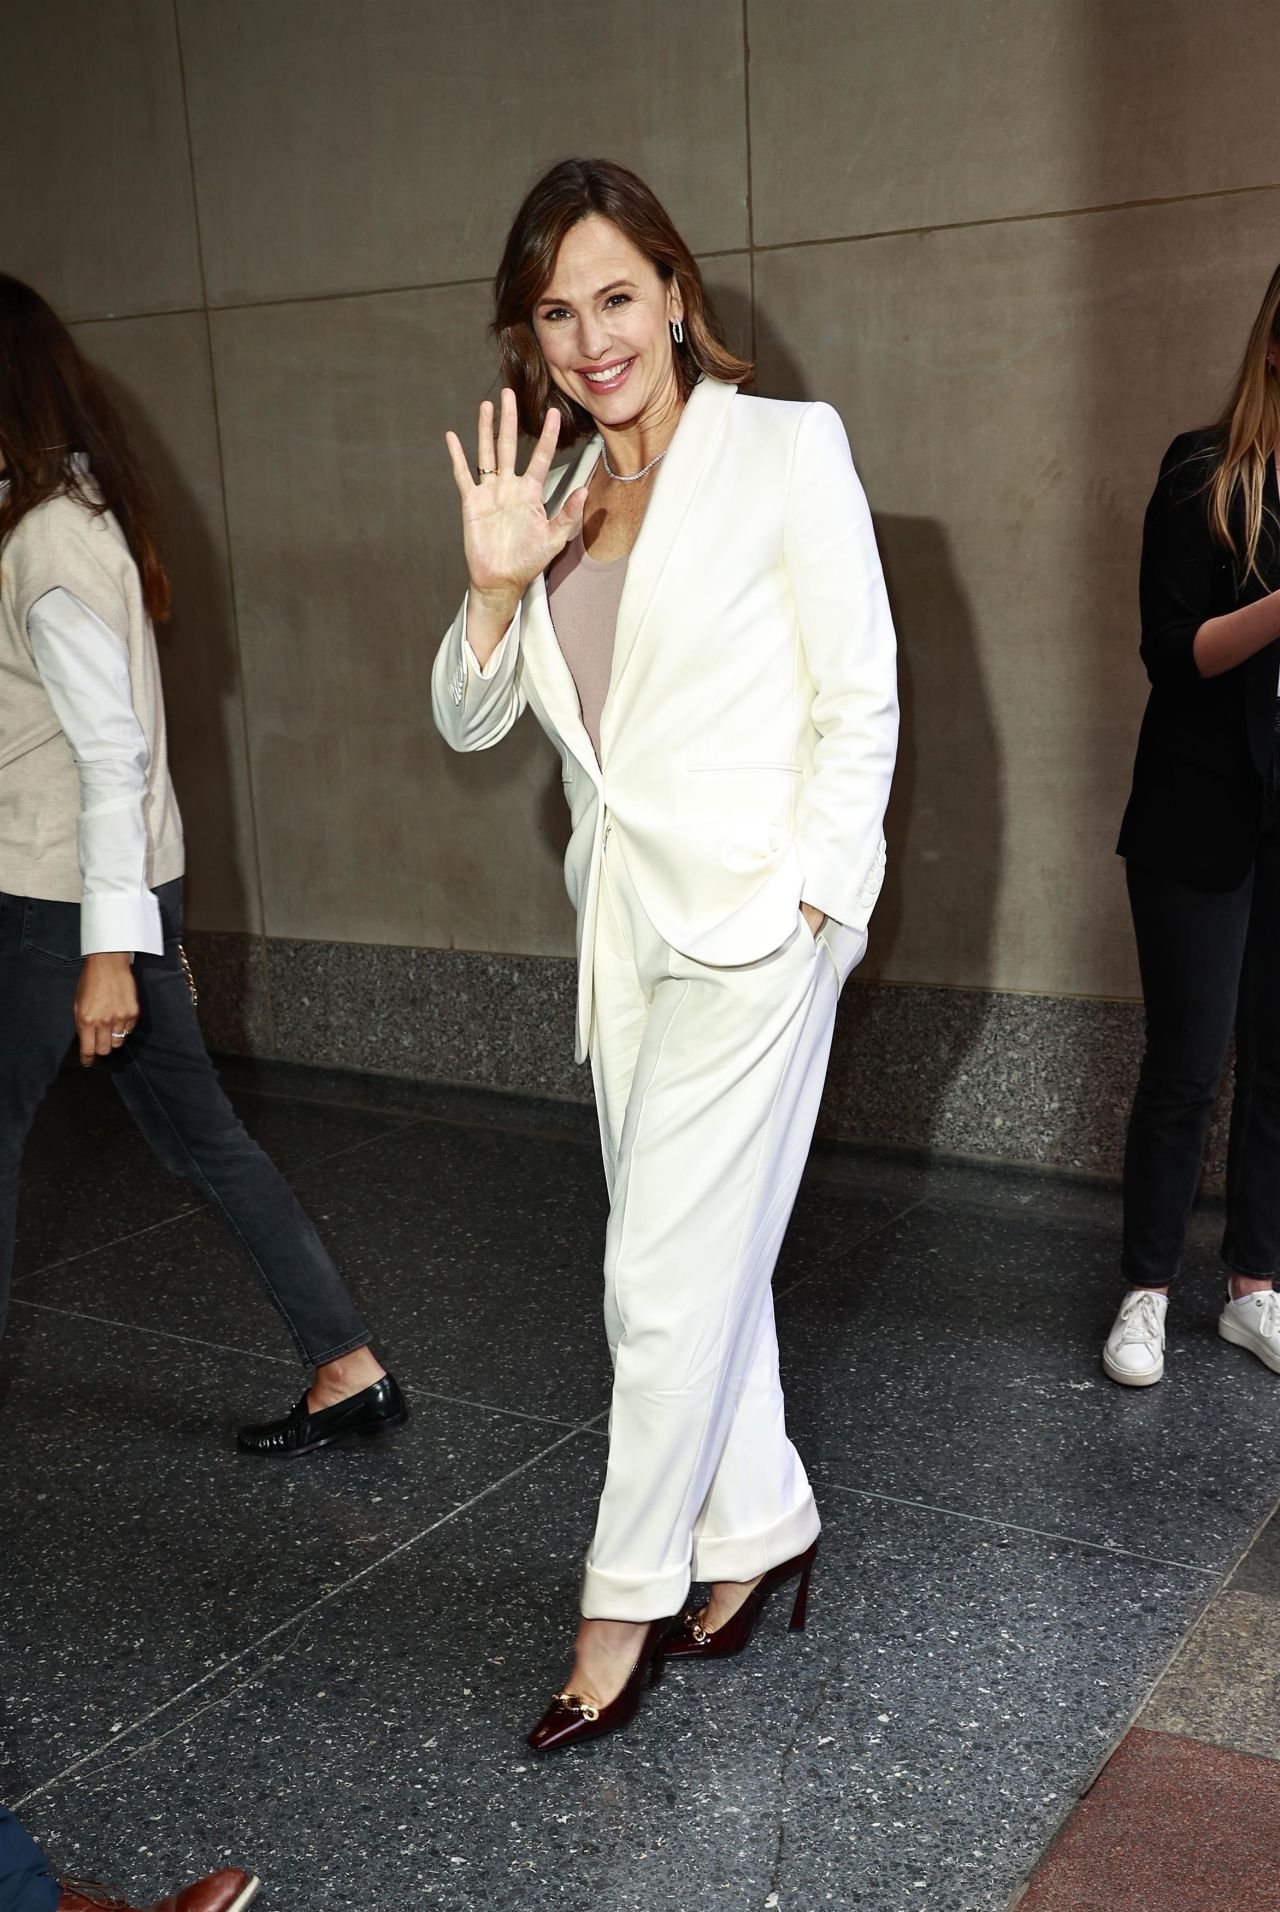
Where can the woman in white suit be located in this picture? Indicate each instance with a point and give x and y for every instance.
(694, 609)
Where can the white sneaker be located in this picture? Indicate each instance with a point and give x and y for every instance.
(1134, 1354)
(1254, 1323)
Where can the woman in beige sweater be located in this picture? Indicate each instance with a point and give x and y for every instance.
(91, 858)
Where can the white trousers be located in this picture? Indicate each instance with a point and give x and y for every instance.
(707, 1083)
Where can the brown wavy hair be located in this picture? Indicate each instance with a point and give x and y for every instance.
(52, 405)
(569, 192)
(1250, 430)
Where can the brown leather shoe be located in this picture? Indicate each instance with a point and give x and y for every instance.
(226, 1891)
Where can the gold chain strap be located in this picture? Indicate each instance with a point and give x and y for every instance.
(186, 970)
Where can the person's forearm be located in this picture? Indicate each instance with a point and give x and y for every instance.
(1223, 642)
(84, 666)
(488, 621)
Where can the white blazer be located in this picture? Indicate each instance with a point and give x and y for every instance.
(749, 733)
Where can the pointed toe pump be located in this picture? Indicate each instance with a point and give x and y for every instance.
(691, 1641)
(571, 1718)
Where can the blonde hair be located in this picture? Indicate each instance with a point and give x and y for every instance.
(1250, 431)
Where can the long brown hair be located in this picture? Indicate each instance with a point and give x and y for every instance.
(571, 191)
(52, 406)
(1250, 430)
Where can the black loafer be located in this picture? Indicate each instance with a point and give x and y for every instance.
(364, 1416)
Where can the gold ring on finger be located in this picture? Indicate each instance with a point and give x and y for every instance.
(486, 471)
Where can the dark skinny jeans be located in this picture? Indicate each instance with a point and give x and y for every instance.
(1210, 960)
(167, 1082)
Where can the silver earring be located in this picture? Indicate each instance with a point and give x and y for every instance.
(677, 331)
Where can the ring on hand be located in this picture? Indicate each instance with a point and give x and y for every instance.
(118, 1035)
(486, 471)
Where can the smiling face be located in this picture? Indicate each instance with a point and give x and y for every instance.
(603, 324)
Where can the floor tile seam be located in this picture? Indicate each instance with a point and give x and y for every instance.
(850, 1247)
(106, 1769)
(394, 1132)
(1037, 1533)
(513, 1413)
(284, 1360)
(1273, 1513)
(163, 1334)
(113, 1241)
(1131, 1720)
(202, 1208)
(296, 1620)
(1220, 1599)
(410, 1118)
(237, 1089)
(1182, 1645)
(1210, 1745)
(524, 1131)
(1076, 1804)
(395, 1114)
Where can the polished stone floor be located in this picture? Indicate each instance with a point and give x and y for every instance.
(325, 1669)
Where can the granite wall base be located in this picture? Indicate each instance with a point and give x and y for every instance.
(1039, 1080)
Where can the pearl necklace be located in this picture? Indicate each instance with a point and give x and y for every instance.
(631, 477)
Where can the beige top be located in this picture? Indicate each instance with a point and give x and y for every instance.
(583, 595)
(61, 545)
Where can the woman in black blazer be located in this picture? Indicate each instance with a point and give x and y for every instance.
(1201, 839)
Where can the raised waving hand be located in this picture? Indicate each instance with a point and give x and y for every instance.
(507, 536)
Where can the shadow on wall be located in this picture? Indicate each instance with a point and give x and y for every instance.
(897, 1062)
(199, 667)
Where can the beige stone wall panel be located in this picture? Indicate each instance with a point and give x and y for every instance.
(348, 566)
(159, 372)
(345, 145)
(1009, 391)
(895, 114)
(96, 207)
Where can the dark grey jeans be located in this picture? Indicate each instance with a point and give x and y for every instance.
(167, 1082)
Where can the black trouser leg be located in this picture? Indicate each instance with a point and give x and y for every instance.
(1251, 1243)
(1191, 946)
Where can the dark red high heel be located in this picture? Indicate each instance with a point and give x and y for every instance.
(570, 1718)
(691, 1641)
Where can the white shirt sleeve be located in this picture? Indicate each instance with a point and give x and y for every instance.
(497, 657)
(84, 666)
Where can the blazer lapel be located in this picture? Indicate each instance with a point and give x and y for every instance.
(551, 680)
(679, 476)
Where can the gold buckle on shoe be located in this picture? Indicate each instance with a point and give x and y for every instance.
(574, 1703)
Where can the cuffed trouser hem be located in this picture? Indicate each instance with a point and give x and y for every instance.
(615, 1596)
(747, 1556)
(612, 1596)
(1234, 1265)
(364, 1340)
